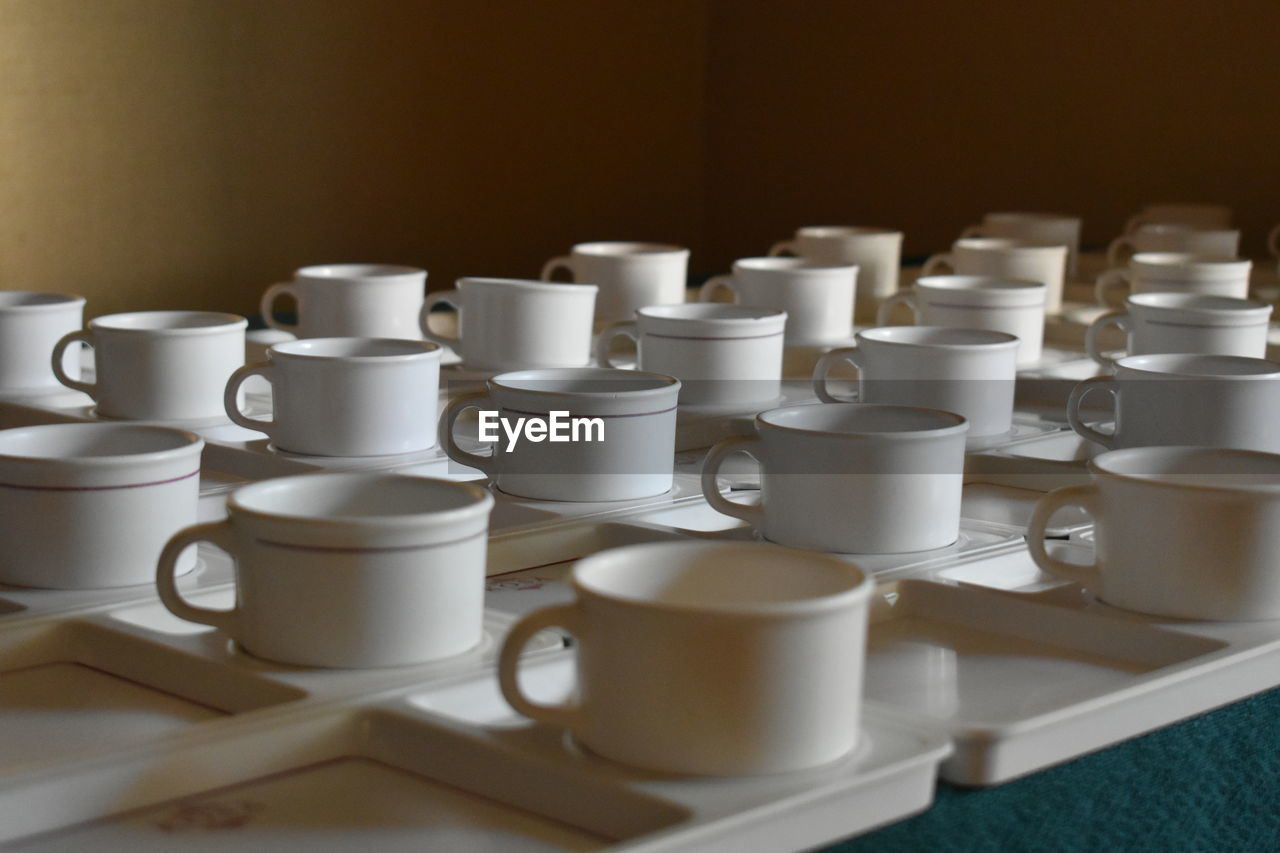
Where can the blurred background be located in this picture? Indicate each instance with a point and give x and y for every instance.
(186, 153)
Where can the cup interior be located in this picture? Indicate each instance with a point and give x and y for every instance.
(1199, 303)
(36, 300)
(939, 336)
(720, 577)
(1162, 260)
(620, 248)
(355, 496)
(787, 265)
(709, 312)
(355, 348)
(838, 232)
(91, 441)
(1206, 366)
(853, 419)
(152, 321)
(1197, 467)
(525, 285)
(1004, 244)
(589, 381)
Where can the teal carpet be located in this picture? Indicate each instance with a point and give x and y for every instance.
(1210, 784)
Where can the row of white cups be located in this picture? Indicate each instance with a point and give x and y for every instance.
(392, 566)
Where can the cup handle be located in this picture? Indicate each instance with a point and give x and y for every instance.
(451, 413)
(1078, 393)
(83, 336)
(971, 231)
(267, 304)
(1119, 319)
(1273, 242)
(1120, 250)
(785, 247)
(1087, 498)
(617, 330)
(933, 262)
(440, 297)
(707, 292)
(1112, 279)
(560, 616)
(824, 366)
(218, 533)
(753, 515)
(561, 262)
(230, 397)
(902, 297)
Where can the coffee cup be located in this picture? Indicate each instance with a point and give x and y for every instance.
(1182, 532)
(347, 569)
(584, 434)
(1172, 398)
(712, 659)
(90, 505)
(723, 355)
(630, 275)
(817, 299)
(1050, 229)
(978, 302)
(158, 365)
(31, 323)
(346, 396)
(1000, 257)
(850, 477)
(1198, 215)
(1158, 237)
(514, 324)
(350, 301)
(1175, 272)
(967, 371)
(876, 252)
(1184, 323)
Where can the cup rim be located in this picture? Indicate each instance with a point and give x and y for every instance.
(1103, 465)
(834, 231)
(1039, 216)
(654, 552)
(411, 350)
(1181, 228)
(1008, 244)
(954, 424)
(1145, 364)
(627, 249)
(718, 313)
(969, 283)
(44, 301)
(179, 444)
(648, 384)
(1190, 261)
(241, 501)
(994, 340)
(1201, 303)
(217, 323)
(367, 272)
(796, 265)
(526, 284)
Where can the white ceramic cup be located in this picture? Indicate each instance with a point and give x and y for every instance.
(818, 299)
(31, 323)
(723, 355)
(1185, 532)
(706, 658)
(515, 324)
(346, 396)
(967, 371)
(158, 365)
(347, 569)
(89, 505)
(629, 454)
(1172, 398)
(1174, 272)
(876, 252)
(850, 478)
(1198, 215)
(1184, 323)
(1049, 229)
(629, 275)
(1157, 237)
(1000, 257)
(351, 301)
(978, 302)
